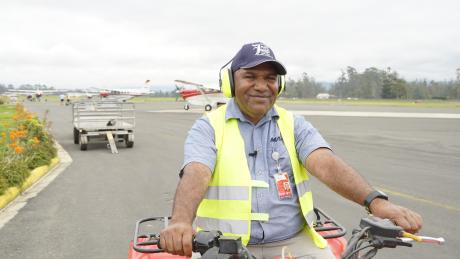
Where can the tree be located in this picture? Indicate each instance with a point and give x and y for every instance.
(386, 89)
(399, 89)
(338, 88)
(305, 87)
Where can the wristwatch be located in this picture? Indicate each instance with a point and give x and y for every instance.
(371, 196)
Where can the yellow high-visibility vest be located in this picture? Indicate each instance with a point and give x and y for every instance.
(227, 203)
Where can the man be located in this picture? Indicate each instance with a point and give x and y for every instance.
(244, 170)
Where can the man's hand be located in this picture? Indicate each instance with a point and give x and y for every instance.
(176, 239)
(410, 221)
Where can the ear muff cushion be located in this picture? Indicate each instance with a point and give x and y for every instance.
(281, 84)
(226, 82)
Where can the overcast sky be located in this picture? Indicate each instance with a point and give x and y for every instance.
(89, 43)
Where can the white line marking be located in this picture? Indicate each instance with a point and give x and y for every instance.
(351, 114)
(382, 114)
(7, 213)
(177, 111)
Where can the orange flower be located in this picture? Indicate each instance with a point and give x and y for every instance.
(21, 133)
(13, 145)
(12, 136)
(19, 150)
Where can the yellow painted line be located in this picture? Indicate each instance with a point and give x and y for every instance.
(12, 192)
(414, 198)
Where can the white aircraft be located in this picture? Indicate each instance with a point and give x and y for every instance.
(36, 94)
(200, 95)
(126, 93)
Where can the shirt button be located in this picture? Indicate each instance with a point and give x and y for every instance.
(259, 195)
(259, 172)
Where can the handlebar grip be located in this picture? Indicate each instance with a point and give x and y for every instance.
(424, 239)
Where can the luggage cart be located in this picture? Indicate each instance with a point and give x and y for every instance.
(110, 121)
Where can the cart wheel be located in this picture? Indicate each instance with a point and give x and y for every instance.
(129, 140)
(83, 142)
(208, 107)
(76, 136)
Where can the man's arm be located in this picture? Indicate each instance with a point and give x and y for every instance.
(343, 179)
(176, 238)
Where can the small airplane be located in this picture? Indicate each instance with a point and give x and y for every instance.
(32, 95)
(200, 95)
(126, 93)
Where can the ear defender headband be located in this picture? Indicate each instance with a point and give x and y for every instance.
(227, 84)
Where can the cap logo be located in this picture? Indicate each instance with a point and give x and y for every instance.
(262, 50)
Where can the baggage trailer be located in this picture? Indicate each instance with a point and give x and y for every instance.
(111, 121)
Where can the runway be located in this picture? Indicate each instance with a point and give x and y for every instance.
(90, 209)
(422, 115)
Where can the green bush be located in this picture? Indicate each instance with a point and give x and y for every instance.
(24, 145)
(13, 172)
(40, 156)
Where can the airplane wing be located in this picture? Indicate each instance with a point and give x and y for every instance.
(30, 92)
(187, 83)
(199, 87)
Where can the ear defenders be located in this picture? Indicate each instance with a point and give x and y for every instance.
(227, 85)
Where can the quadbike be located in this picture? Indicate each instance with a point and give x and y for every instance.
(372, 234)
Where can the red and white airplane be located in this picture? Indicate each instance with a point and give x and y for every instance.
(126, 93)
(197, 94)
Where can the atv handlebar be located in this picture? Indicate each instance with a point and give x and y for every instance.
(373, 234)
(376, 233)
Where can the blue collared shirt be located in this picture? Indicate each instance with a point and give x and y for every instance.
(285, 215)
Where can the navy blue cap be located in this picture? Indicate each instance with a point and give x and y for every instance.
(254, 54)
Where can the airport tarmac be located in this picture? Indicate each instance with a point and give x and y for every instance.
(90, 209)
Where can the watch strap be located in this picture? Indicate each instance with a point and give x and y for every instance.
(372, 196)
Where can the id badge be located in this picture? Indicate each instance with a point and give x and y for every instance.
(283, 186)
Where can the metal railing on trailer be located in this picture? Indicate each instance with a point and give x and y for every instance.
(110, 121)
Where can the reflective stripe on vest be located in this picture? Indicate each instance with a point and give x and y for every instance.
(227, 204)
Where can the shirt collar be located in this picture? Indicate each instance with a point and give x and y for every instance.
(234, 112)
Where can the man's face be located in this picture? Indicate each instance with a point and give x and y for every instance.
(256, 90)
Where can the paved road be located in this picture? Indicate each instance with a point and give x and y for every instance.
(89, 210)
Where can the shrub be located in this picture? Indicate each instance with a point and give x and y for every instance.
(13, 172)
(24, 145)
